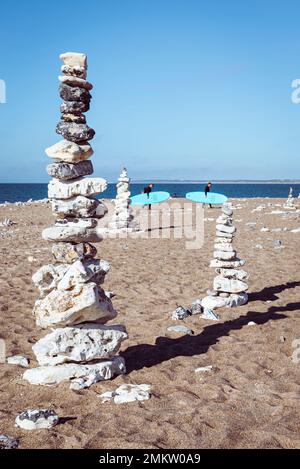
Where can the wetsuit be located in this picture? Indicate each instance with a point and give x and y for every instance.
(147, 191)
(207, 190)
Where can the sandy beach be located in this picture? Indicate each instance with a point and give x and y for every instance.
(251, 396)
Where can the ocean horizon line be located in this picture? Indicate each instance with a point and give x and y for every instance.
(185, 181)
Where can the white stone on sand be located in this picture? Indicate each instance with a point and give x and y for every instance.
(128, 393)
(37, 419)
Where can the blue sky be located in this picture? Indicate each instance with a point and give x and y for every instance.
(182, 88)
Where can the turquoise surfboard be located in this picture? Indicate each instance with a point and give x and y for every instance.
(154, 198)
(212, 198)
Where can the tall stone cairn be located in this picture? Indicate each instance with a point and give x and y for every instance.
(123, 219)
(72, 302)
(290, 202)
(229, 288)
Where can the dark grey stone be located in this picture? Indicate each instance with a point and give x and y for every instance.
(79, 72)
(75, 132)
(7, 442)
(181, 313)
(74, 93)
(67, 171)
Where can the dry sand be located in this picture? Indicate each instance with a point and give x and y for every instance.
(250, 399)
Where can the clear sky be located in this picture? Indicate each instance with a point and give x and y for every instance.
(186, 89)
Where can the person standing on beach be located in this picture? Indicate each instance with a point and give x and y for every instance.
(207, 190)
(148, 190)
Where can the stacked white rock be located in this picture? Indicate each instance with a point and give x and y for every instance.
(72, 302)
(123, 219)
(290, 202)
(229, 288)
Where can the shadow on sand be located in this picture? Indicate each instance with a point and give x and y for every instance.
(164, 349)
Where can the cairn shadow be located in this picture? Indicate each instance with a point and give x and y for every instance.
(290, 307)
(164, 349)
(270, 293)
(64, 420)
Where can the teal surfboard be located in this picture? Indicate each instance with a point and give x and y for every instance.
(212, 198)
(154, 198)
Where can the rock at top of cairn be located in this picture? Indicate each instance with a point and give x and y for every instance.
(290, 202)
(229, 287)
(72, 301)
(123, 219)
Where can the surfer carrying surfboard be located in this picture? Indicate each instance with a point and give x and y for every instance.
(207, 190)
(148, 190)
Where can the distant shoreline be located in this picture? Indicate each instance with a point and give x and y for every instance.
(238, 181)
(200, 181)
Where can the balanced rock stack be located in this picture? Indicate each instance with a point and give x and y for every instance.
(72, 302)
(123, 219)
(290, 202)
(229, 285)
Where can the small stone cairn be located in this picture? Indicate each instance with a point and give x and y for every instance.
(229, 288)
(72, 302)
(290, 202)
(123, 219)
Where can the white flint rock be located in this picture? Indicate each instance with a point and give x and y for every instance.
(228, 285)
(227, 264)
(209, 314)
(48, 276)
(225, 228)
(79, 206)
(82, 271)
(70, 232)
(79, 344)
(88, 187)
(233, 301)
(69, 152)
(236, 300)
(82, 376)
(37, 419)
(227, 210)
(224, 221)
(233, 273)
(18, 360)
(225, 255)
(83, 303)
(204, 369)
(74, 59)
(224, 247)
(223, 240)
(181, 330)
(128, 393)
(212, 302)
(222, 234)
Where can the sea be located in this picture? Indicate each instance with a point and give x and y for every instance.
(24, 192)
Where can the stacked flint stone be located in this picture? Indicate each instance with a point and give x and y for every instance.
(290, 202)
(123, 219)
(72, 303)
(229, 285)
